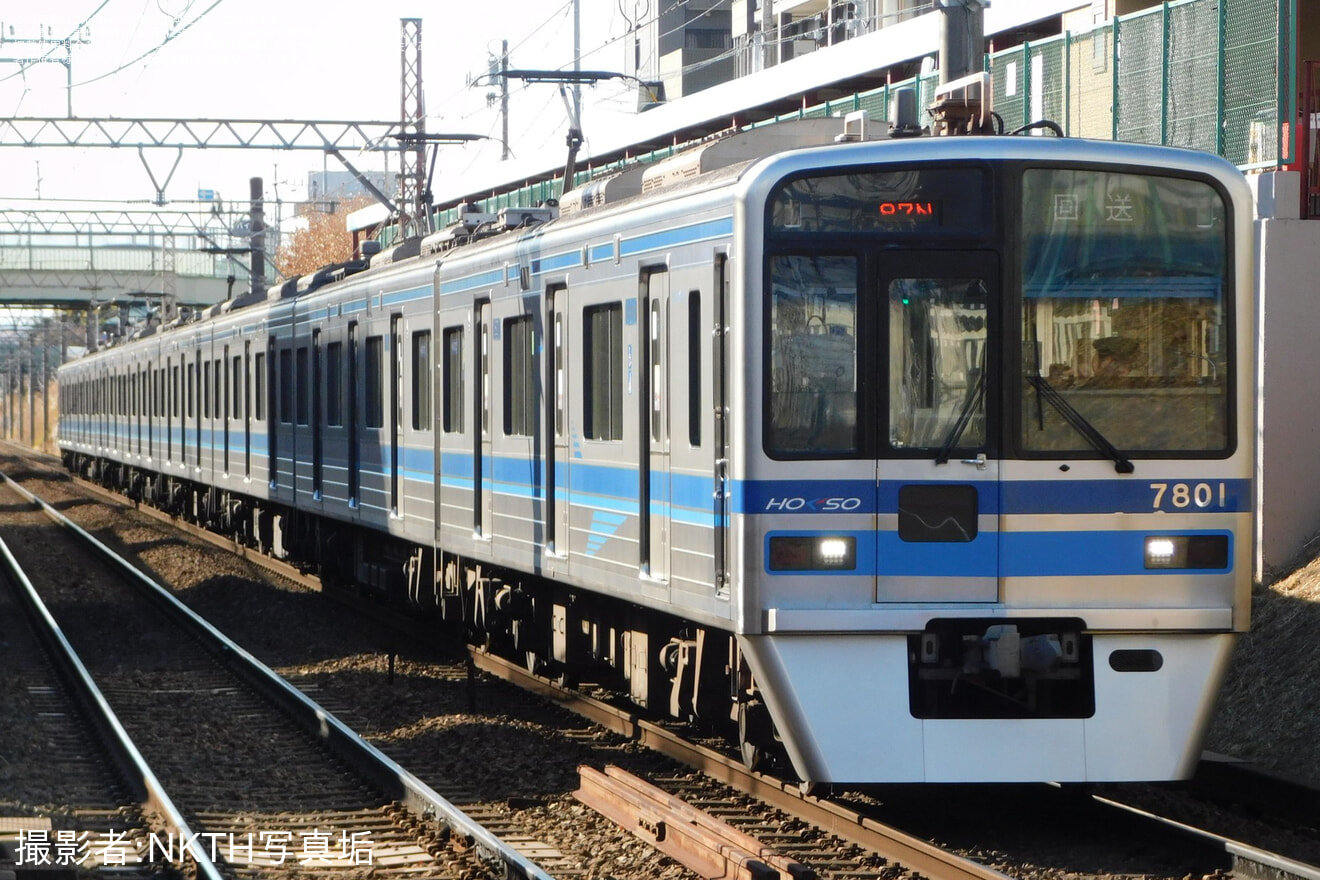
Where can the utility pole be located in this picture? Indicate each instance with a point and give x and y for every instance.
(504, 100)
(577, 60)
(31, 396)
(257, 231)
(45, 386)
(498, 69)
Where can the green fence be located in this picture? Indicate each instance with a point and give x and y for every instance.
(1212, 75)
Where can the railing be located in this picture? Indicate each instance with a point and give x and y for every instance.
(102, 258)
(1204, 74)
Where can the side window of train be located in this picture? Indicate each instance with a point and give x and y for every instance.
(519, 376)
(421, 380)
(374, 374)
(237, 387)
(302, 393)
(452, 402)
(334, 386)
(695, 385)
(259, 386)
(602, 372)
(286, 385)
(206, 389)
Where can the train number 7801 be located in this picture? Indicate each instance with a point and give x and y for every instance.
(1179, 496)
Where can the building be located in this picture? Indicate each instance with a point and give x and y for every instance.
(340, 185)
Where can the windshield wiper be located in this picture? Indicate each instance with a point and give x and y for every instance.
(974, 395)
(1079, 423)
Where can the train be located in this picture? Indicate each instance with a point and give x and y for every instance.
(897, 459)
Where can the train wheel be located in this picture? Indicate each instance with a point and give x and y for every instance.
(755, 734)
(534, 663)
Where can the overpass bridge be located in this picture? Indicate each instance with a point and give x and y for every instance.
(113, 283)
(96, 273)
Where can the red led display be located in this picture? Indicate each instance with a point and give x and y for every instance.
(923, 210)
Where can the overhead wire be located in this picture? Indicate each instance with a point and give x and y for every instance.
(57, 43)
(534, 31)
(174, 34)
(646, 18)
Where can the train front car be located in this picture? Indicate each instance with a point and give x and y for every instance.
(994, 518)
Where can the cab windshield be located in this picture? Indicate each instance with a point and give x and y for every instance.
(1124, 316)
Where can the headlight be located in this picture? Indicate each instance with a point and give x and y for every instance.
(813, 553)
(1187, 551)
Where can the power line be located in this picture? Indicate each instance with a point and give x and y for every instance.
(163, 43)
(57, 43)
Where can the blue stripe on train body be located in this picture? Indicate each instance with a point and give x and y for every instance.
(1101, 553)
(1005, 498)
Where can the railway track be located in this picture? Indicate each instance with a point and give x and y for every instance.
(842, 835)
(243, 775)
(54, 761)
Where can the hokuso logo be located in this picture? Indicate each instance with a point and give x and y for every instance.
(826, 505)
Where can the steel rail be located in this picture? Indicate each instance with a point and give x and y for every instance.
(1257, 863)
(831, 817)
(911, 852)
(1247, 861)
(838, 820)
(395, 781)
(133, 767)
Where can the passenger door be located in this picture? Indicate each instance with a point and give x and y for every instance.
(937, 476)
(483, 454)
(654, 404)
(557, 451)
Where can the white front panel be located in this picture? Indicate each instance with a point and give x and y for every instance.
(841, 702)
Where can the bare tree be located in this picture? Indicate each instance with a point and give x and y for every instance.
(326, 239)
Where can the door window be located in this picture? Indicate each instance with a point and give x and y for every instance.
(937, 345)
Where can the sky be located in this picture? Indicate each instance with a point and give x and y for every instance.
(292, 59)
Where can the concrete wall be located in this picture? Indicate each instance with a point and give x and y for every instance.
(1288, 275)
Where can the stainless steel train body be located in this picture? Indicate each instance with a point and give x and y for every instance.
(924, 460)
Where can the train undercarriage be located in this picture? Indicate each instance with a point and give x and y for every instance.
(664, 665)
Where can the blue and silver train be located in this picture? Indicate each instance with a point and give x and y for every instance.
(904, 460)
